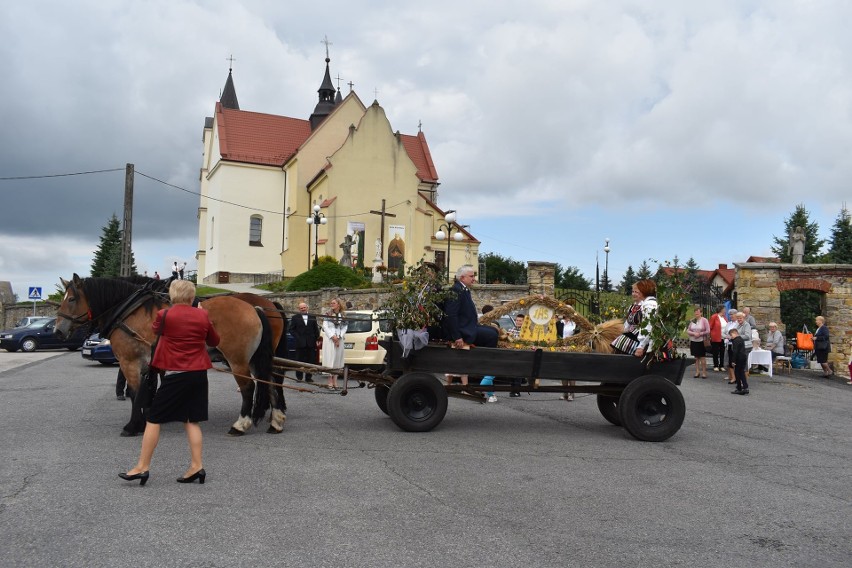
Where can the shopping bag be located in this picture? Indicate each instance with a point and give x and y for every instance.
(804, 340)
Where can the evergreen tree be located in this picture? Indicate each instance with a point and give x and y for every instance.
(628, 280)
(571, 279)
(799, 218)
(503, 270)
(644, 271)
(606, 285)
(840, 248)
(107, 260)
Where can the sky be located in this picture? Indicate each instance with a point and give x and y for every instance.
(688, 129)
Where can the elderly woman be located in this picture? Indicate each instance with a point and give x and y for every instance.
(717, 339)
(822, 346)
(774, 340)
(181, 355)
(334, 328)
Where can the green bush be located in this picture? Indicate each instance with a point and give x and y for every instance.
(327, 275)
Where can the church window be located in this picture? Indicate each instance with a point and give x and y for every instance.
(255, 231)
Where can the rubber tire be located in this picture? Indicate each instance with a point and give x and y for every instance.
(652, 408)
(29, 345)
(608, 405)
(381, 392)
(417, 402)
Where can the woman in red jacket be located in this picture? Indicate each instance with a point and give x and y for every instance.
(717, 342)
(181, 355)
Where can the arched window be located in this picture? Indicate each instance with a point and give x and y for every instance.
(255, 231)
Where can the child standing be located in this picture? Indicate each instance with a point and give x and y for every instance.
(739, 359)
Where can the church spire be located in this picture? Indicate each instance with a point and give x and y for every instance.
(326, 94)
(229, 93)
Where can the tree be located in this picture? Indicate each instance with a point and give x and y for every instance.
(503, 270)
(840, 247)
(107, 260)
(571, 279)
(628, 280)
(799, 218)
(644, 271)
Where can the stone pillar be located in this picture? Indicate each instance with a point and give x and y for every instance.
(541, 277)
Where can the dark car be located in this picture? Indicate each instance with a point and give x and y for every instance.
(39, 335)
(97, 349)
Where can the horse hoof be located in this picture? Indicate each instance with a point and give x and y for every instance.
(343, 393)
(272, 430)
(234, 432)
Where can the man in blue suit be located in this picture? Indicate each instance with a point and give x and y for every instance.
(460, 323)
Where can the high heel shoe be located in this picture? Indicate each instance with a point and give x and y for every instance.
(200, 475)
(142, 477)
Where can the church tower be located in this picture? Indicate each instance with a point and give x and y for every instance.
(229, 93)
(326, 92)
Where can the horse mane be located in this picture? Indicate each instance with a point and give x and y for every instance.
(104, 294)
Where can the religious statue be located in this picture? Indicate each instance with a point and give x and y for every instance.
(796, 248)
(346, 245)
(378, 249)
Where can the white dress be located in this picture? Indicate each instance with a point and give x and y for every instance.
(333, 356)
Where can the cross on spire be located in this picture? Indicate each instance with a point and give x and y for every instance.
(351, 85)
(231, 64)
(419, 126)
(327, 43)
(339, 79)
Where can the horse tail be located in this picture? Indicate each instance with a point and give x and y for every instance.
(281, 349)
(261, 366)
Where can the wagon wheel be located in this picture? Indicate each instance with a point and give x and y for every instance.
(608, 406)
(381, 392)
(651, 409)
(417, 402)
(29, 344)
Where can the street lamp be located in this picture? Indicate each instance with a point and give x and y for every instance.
(450, 218)
(316, 219)
(606, 266)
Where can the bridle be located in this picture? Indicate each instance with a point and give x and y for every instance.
(82, 318)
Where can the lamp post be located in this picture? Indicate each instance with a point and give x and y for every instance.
(448, 226)
(316, 219)
(606, 266)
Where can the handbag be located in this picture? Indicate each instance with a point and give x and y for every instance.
(626, 343)
(706, 341)
(804, 340)
(798, 361)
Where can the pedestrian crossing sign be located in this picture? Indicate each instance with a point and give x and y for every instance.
(35, 293)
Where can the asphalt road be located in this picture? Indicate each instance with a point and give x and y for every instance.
(758, 481)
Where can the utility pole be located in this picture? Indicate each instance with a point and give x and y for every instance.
(127, 232)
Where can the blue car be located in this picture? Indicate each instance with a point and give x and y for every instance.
(100, 350)
(39, 334)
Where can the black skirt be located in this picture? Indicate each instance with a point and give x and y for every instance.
(821, 355)
(181, 398)
(697, 349)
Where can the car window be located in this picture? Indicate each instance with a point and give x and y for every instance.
(359, 325)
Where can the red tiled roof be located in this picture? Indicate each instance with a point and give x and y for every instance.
(418, 151)
(258, 138)
(727, 274)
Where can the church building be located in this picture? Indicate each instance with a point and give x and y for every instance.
(278, 192)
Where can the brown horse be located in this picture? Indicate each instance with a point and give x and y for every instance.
(124, 312)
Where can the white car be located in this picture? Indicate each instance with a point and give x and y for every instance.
(364, 330)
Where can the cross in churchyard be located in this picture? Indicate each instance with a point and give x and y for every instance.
(231, 59)
(351, 85)
(327, 43)
(384, 214)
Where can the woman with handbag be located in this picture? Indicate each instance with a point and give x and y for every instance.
(822, 346)
(698, 331)
(181, 356)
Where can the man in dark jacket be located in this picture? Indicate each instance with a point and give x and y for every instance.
(460, 322)
(305, 331)
(739, 357)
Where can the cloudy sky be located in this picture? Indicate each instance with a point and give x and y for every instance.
(671, 128)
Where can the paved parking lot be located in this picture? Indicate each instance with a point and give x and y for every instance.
(759, 481)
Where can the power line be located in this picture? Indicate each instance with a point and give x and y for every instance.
(61, 175)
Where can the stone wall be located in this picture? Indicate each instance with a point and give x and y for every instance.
(759, 286)
(10, 313)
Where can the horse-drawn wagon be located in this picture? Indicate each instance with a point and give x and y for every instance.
(644, 400)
